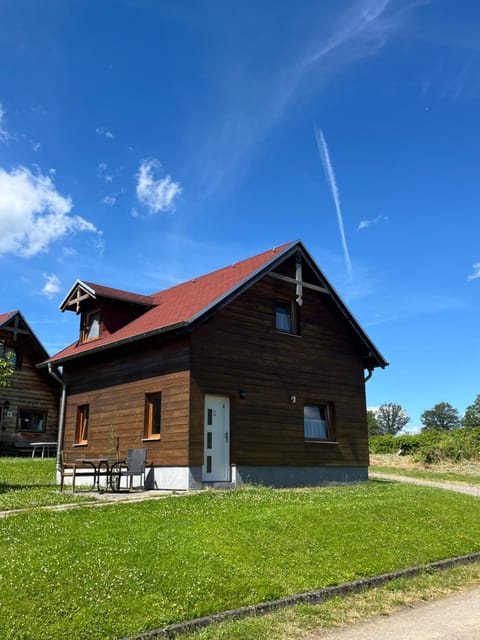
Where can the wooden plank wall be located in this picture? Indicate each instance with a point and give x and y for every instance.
(239, 349)
(114, 386)
(29, 389)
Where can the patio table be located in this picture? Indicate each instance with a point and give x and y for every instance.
(43, 446)
(101, 467)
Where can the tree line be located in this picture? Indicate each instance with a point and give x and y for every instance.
(391, 418)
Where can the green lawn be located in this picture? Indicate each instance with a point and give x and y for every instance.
(30, 482)
(121, 569)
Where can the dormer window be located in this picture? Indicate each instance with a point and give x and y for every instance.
(91, 326)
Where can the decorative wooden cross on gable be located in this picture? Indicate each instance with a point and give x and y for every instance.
(78, 295)
(298, 280)
(15, 328)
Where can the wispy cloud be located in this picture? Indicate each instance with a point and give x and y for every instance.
(103, 173)
(33, 214)
(110, 199)
(330, 176)
(106, 133)
(412, 303)
(476, 272)
(257, 103)
(52, 285)
(158, 195)
(364, 224)
(4, 134)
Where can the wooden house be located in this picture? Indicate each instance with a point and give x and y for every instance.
(29, 406)
(252, 373)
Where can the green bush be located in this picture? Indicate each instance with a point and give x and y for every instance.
(432, 446)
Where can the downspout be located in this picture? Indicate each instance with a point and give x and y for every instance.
(61, 415)
(369, 375)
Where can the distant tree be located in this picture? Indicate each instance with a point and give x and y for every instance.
(471, 417)
(372, 423)
(391, 418)
(441, 417)
(6, 367)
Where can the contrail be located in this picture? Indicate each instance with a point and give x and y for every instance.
(330, 175)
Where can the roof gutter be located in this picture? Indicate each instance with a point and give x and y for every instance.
(369, 374)
(61, 414)
(116, 343)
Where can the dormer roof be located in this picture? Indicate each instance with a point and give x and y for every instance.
(82, 291)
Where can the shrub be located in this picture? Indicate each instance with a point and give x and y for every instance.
(432, 446)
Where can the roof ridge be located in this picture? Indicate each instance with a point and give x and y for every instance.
(275, 250)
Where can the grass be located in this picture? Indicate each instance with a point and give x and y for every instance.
(30, 483)
(122, 569)
(466, 472)
(296, 622)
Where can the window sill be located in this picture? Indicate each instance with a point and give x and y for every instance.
(88, 340)
(151, 439)
(319, 441)
(287, 333)
(79, 444)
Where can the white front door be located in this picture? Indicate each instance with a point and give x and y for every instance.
(216, 458)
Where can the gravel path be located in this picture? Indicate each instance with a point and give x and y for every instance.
(470, 489)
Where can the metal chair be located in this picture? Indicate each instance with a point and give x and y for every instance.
(135, 466)
(67, 470)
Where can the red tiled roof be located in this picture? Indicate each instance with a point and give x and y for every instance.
(5, 317)
(179, 305)
(118, 294)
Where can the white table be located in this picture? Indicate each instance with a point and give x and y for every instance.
(43, 446)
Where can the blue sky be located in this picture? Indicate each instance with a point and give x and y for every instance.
(145, 142)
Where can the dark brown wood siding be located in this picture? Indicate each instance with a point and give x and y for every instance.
(239, 349)
(114, 384)
(30, 389)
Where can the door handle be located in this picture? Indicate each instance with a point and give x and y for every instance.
(226, 436)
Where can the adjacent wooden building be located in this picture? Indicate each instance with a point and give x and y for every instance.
(29, 406)
(253, 373)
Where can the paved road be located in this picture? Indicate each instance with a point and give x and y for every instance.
(454, 617)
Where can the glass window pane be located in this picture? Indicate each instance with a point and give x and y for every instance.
(315, 421)
(93, 326)
(153, 415)
(34, 421)
(156, 415)
(82, 423)
(283, 317)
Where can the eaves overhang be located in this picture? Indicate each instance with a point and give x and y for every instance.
(110, 345)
